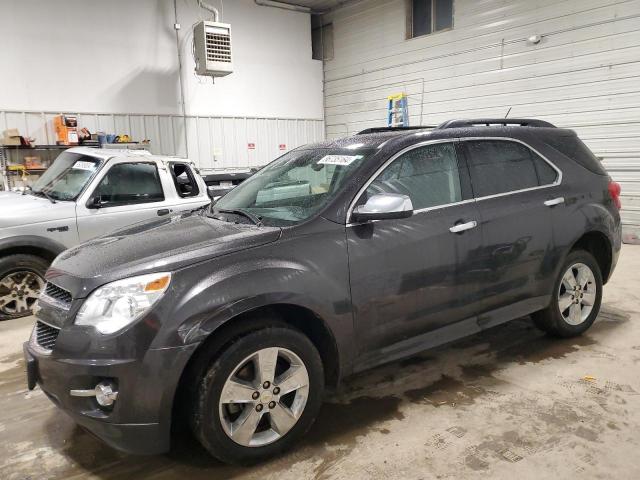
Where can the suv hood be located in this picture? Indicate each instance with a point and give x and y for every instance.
(161, 245)
(17, 209)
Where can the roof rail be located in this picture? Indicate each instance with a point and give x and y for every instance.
(393, 129)
(522, 122)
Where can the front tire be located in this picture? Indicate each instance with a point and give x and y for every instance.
(576, 299)
(259, 396)
(21, 280)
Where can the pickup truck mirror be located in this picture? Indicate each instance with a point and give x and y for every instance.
(385, 206)
(95, 202)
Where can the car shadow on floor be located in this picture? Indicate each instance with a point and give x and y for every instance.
(447, 375)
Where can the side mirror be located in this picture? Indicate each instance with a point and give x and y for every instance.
(384, 206)
(95, 202)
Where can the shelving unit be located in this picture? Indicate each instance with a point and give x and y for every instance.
(21, 156)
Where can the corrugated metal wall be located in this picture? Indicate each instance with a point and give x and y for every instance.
(584, 74)
(213, 142)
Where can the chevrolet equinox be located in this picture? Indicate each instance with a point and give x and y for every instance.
(334, 258)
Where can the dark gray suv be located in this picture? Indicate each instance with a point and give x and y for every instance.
(334, 258)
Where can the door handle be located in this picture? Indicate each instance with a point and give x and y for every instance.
(463, 227)
(554, 201)
(163, 211)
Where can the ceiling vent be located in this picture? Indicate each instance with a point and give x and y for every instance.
(212, 48)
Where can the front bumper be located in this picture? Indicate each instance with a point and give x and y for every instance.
(140, 420)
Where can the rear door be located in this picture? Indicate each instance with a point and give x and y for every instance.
(127, 193)
(413, 275)
(514, 187)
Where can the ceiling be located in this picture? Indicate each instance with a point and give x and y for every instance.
(315, 5)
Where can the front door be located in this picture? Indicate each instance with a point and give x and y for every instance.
(414, 275)
(128, 193)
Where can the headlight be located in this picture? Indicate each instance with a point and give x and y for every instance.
(115, 305)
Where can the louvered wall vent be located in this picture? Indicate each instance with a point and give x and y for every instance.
(212, 49)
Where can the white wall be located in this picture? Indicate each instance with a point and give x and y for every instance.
(120, 57)
(585, 74)
(274, 75)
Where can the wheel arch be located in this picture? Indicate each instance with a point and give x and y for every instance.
(31, 245)
(294, 316)
(599, 245)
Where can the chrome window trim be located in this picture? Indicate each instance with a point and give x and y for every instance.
(557, 182)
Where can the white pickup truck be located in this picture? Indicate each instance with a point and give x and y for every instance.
(85, 193)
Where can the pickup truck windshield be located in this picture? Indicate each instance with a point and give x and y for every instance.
(67, 177)
(295, 186)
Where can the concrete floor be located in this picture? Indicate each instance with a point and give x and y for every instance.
(509, 403)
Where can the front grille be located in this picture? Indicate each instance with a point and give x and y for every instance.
(57, 293)
(46, 335)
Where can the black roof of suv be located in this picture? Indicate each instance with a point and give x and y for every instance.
(563, 140)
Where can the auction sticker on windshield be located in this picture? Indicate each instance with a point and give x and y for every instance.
(80, 165)
(338, 159)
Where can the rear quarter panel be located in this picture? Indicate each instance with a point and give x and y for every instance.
(587, 208)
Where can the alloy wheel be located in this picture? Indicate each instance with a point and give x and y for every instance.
(577, 294)
(264, 397)
(19, 291)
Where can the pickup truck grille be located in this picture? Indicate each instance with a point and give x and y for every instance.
(60, 295)
(46, 336)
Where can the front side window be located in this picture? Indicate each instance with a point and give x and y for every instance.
(294, 187)
(67, 177)
(130, 183)
(429, 16)
(499, 166)
(428, 175)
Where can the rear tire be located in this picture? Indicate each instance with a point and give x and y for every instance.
(576, 298)
(21, 279)
(242, 412)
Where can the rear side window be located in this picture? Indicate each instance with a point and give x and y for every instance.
(499, 166)
(576, 150)
(185, 182)
(130, 183)
(429, 175)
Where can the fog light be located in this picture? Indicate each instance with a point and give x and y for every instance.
(105, 395)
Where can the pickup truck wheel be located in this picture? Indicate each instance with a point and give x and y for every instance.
(21, 280)
(259, 396)
(576, 298)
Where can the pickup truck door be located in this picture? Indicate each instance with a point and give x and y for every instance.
(128, 191)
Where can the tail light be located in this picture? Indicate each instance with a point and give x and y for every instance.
(614, 193)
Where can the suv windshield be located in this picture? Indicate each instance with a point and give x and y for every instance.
(67, 177)
(294, 187)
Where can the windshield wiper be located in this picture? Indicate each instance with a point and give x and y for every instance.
(238, 211)
(44, 194)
